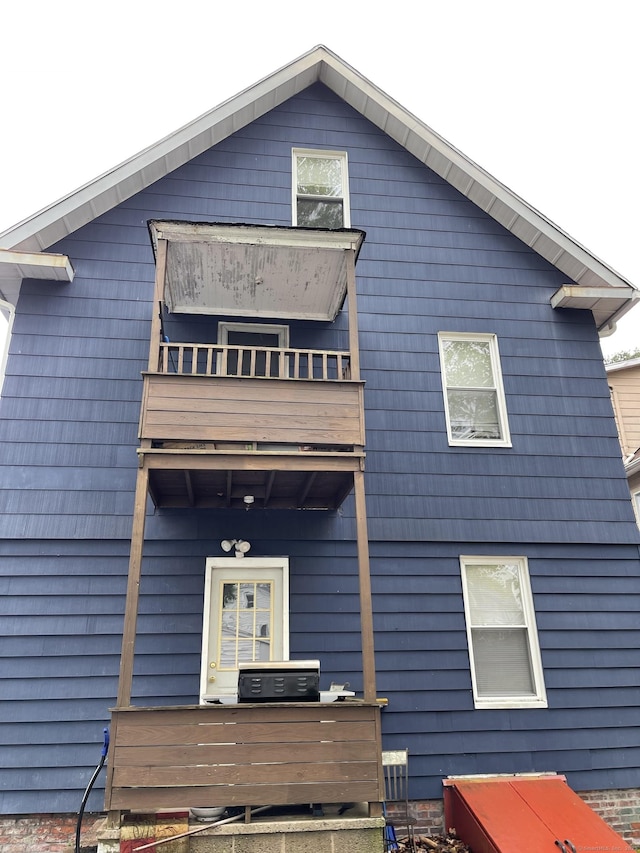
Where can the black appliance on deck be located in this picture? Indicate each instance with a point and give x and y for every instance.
(279, 681)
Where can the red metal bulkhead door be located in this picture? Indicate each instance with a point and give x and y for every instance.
(527, 815)
(491, 817)
(569, 816)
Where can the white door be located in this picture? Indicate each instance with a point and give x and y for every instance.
(246, 618)
(252, 335)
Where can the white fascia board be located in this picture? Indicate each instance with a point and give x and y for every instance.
(255, 235)
(607, 304)
(54, 222)
(623, 365)
(545, 238)
(466, 176)
(50, 267)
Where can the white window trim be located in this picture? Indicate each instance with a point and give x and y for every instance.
(329, 155)
(635, 500)
(505, 440)
(253, 328)
(244, 564)
(539, 699)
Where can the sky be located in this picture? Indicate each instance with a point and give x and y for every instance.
(542, 95)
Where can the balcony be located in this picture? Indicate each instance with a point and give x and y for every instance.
(282, 425)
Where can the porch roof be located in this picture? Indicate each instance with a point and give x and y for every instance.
(255, 271)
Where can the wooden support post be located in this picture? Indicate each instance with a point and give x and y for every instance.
(354, 349)
(133, 588)
(161, 271)
(366, 605)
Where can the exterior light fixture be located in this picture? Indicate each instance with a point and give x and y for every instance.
(241, 546)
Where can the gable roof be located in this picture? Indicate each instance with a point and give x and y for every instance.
(609, 295)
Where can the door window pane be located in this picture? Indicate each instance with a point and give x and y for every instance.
(245, 622)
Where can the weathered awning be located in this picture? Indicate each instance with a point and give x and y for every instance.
(255, 271)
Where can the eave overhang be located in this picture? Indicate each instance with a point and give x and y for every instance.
(321, 65)
(607, 304)
(16, 266)
(632, 466)
(255, 271)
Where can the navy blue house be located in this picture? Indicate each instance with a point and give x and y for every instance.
(200, 339)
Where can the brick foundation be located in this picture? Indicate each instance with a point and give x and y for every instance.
(56, 833)
(620, 809)
(47, 833)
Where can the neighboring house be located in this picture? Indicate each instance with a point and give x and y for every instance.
(494, 570)
(624, 382)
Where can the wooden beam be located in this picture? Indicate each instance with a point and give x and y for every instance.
(354, 348)
(229, 487)
(156, 325)
(366, 606)
(269, 486)
(133, 589)
(306, 488)
(189, 486)
(179, 460)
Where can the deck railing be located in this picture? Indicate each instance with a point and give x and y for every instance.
(272, 362)
(244, 755)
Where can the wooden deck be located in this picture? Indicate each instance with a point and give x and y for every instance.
(218, 422)
(244, 755)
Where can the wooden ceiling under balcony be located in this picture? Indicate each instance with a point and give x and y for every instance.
(314, 482)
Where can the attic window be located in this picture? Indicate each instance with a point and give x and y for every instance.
(320, 189)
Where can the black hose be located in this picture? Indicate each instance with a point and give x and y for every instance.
(96, 773)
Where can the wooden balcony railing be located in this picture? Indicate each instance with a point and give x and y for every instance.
(271, 362)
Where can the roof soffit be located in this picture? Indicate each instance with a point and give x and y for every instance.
(320, 64)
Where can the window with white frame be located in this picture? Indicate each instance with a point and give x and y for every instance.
(506, 668)
(320, 189)
(636, 504)
(475, 407)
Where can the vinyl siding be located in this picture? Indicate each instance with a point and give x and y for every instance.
(62, 606)
(431, 262)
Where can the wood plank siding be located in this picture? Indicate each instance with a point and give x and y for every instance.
(625, 394)
(223, 408)
(245, 755)
(431, 262)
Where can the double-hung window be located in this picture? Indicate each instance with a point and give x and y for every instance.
(475, 406)
(320, 189)
(506, 668)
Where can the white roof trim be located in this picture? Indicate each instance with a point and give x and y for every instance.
(606, 303)
(319, 64)
(622, 365)
(15, 266)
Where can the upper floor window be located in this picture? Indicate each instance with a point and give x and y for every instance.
(636, 504)
(475, 406)
(320, 189)
(506, 668)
